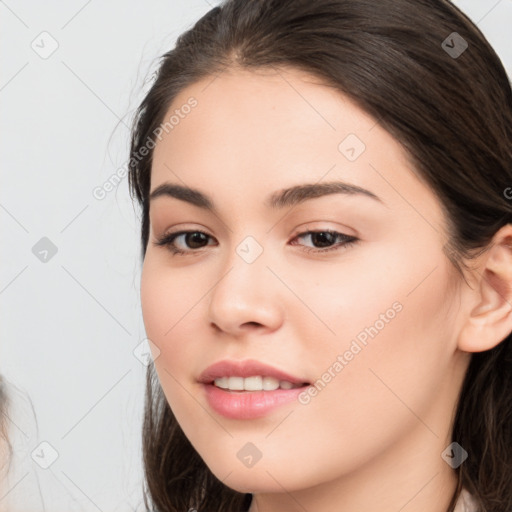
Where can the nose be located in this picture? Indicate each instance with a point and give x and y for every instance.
(246, 298)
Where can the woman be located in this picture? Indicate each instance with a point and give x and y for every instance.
(327, 261)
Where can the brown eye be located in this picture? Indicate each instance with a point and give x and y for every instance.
(196, 239)
(323, 241)
(183, 242)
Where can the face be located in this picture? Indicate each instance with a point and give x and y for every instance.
(348, 292)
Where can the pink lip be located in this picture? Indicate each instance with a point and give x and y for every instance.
(247, 404)
(246, 368)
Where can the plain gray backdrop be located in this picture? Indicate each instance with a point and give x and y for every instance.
(72, 336)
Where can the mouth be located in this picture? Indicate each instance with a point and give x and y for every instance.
(254, 383)
(249, 375)
(249, 389)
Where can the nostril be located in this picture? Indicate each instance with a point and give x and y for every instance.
(255, 324)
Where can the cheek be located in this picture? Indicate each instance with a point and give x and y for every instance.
(155, 296)
(393, 334)
(393, 328)
(357, 299)
(169, 312)
(381, 289)
(390, 304)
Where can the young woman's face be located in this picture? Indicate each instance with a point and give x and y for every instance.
(371, 325)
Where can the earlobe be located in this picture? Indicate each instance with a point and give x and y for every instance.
(489, 319)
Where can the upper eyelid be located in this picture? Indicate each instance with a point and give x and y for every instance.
(305, 227)
(303, 231)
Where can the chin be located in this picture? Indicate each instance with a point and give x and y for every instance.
(263, 483)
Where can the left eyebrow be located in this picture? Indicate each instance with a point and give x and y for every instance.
(277, 200)
(300, 193)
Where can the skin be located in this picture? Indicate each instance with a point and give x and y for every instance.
(372, 438)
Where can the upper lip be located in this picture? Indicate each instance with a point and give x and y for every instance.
(246, 368)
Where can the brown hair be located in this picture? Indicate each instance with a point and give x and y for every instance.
(453, 115)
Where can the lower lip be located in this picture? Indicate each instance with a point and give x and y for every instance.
(247, 405)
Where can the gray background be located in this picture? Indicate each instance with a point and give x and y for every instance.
(71, 321)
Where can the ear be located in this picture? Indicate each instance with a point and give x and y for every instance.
(490, 319)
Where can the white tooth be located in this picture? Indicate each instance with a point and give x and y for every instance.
(269, 383)
(236, 383)
(253, 383)
(222, 382)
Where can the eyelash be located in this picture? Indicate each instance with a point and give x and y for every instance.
(168, 241)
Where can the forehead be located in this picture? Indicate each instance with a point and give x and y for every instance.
(247, 111)
(254, 131)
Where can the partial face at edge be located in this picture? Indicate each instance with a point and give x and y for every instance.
(294, 307)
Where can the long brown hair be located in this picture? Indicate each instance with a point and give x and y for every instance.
(449, 105)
